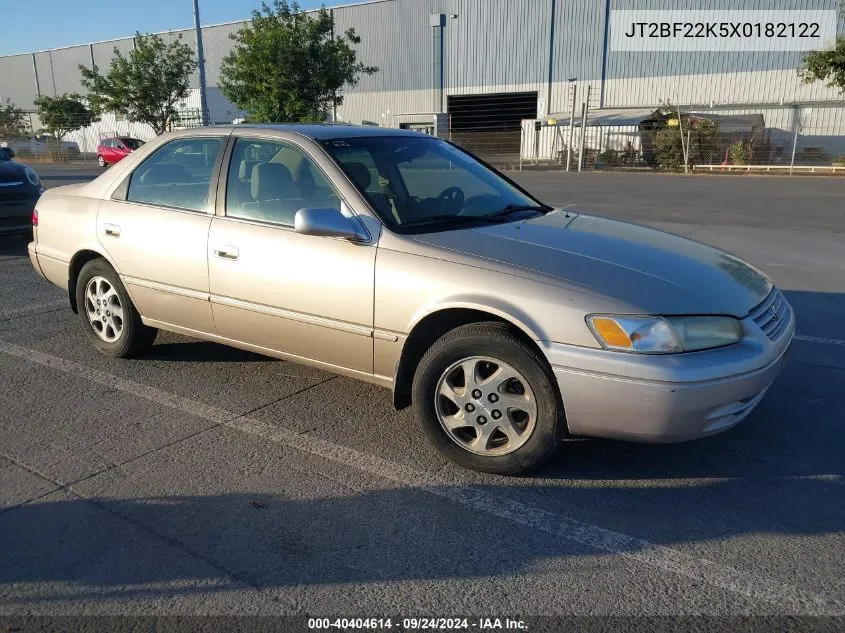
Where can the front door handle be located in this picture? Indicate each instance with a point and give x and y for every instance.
(227, 252)
(111, 229)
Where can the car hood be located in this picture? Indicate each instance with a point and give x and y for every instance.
(11, 171)
(651, 271)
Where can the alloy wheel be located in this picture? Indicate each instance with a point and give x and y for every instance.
(103, 308)
(485, 406)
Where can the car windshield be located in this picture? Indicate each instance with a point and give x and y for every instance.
(419, 181)
(132, 143)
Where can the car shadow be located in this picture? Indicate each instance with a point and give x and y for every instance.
(195, 351)
(14, 245)
(155, 547)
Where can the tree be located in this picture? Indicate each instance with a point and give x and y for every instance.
(146, 85)
(12, 121)
(63, 114)
(826, 65)
(705, 144)
(289, 65)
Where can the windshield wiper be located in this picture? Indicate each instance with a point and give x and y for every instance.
(447, 219)
(510, 209)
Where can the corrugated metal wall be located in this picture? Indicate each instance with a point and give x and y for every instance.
(496, 44)
(104, 51)
(44, 71)
(66, 68)
(17, 80)
(216, 45)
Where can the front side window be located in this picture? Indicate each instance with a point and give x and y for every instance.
(177, 174)
(419, 181)
(131, 143)
(270, 181)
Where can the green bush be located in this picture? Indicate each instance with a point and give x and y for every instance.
(740, 153)
(668, 149)
(609, 157)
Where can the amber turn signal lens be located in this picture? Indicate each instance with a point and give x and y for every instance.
(612, 334)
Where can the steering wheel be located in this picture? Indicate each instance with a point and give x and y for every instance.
(453, 197)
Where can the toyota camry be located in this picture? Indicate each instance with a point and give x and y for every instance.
(402, 260)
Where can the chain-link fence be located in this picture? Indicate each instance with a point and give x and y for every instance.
(86, 142)
(777, 140)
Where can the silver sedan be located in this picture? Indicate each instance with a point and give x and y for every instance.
(399, 259)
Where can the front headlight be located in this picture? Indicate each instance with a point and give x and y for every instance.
(32, 176)
(664, 335)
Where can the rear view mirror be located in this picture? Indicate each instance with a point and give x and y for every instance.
(328, 222)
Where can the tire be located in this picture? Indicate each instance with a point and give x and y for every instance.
(488, 347)
(122, 337)
(101, 161)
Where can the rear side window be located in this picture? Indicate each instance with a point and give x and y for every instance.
(177, 175)
(270, 181)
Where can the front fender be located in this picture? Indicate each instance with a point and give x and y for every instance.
(498, 307)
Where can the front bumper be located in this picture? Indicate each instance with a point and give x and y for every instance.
(668, 398)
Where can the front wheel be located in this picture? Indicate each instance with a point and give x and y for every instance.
(110, 320)
(101, 161)
(486, 400)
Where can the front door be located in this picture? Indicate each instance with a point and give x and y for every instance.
(308, 297)
(155, 230)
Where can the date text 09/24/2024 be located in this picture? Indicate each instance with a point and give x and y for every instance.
(419, 623)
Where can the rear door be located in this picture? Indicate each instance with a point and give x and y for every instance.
(155, 230)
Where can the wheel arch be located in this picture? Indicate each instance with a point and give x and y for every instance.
(79, 259)
(430, 327)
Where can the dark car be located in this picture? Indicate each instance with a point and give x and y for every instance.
(20, 188)
(114, 149)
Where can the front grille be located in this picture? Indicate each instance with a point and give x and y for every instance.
(772, 315)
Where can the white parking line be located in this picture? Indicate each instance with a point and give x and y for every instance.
(823, 341)
(751, 585)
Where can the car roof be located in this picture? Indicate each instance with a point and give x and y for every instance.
(322, 131)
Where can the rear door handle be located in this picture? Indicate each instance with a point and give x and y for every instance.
(227, 252)
(111, 229)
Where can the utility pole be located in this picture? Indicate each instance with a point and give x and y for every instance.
(574, 88)
(201, 66)
(585, 109)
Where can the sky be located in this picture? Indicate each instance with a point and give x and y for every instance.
(34, 25)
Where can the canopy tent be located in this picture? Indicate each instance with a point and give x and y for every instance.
(605, 118)
(731, 122)
(635, 117)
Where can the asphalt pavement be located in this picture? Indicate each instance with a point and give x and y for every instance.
(206, 480)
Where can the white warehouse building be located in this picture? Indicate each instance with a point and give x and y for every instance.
(488, 65)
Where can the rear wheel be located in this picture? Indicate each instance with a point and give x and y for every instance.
(486, 400)
(101, 161)
(110, 320)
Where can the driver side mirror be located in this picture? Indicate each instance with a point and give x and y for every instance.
(328, 222)
(8, 151)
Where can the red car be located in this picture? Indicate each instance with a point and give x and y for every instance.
(114, 149)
